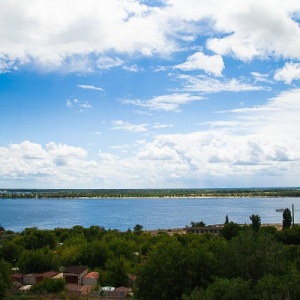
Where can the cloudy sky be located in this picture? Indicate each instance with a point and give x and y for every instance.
(149, 93)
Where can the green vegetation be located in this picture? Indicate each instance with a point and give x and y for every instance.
(286, 218)
(48, 285)
(121, 193)
(243, 262)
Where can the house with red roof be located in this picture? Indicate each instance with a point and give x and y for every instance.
(90, 278)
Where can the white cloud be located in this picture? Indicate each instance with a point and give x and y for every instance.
(90, 87)
(133, 68)
(72, 36)
(157, 125)
(256, 29)
(6, 65)
(62, 150)
(106, 63)
(199, 61)
(289, 73)
(259, 77)
(258, 147)
(170, 102)
(81, 105)
(211, 85)
(121, 125)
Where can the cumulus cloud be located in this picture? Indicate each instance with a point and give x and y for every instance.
(72, 36)
(199, 61)
(170, 102)
(289, 73)
(52, 164)
(258, 146)
(256, 29)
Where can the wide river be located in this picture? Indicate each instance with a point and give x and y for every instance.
(152, 213)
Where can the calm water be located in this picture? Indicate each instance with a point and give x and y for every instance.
(122, 214)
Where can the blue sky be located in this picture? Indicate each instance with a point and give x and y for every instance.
(149, 94)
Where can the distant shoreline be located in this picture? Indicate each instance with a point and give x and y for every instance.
(151, 193)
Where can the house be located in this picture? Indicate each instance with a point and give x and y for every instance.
(90, 278)
(74, 274)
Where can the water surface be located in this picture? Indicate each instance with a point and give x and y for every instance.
(125, 213)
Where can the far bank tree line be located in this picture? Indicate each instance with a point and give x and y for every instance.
(243, 262)
(122, 193)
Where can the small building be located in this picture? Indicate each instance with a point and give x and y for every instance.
(117, 293)
(17, 277)
(85, 289)
(214, 229)
(90, 278)
(50, 274)
(74, 274)
(122, 292)
(33, 278)
(78, 289)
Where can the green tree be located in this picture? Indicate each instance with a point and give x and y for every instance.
(224, 289)
(230, 230)
(174, 267)
(226, 219)
(40, 260)
(138, 229)
(33, 238)
(162, 275)
(286, 219)
(256, 222)
(10, 251)
(198, 224)
(251, 255)
(117, 269)
(49, 285)
(94, 254)
(5, 281)
(290, 236)
(272, 287)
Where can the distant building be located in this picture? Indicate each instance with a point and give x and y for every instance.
(215, 229)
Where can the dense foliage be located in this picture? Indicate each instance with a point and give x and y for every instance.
(244, 262)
